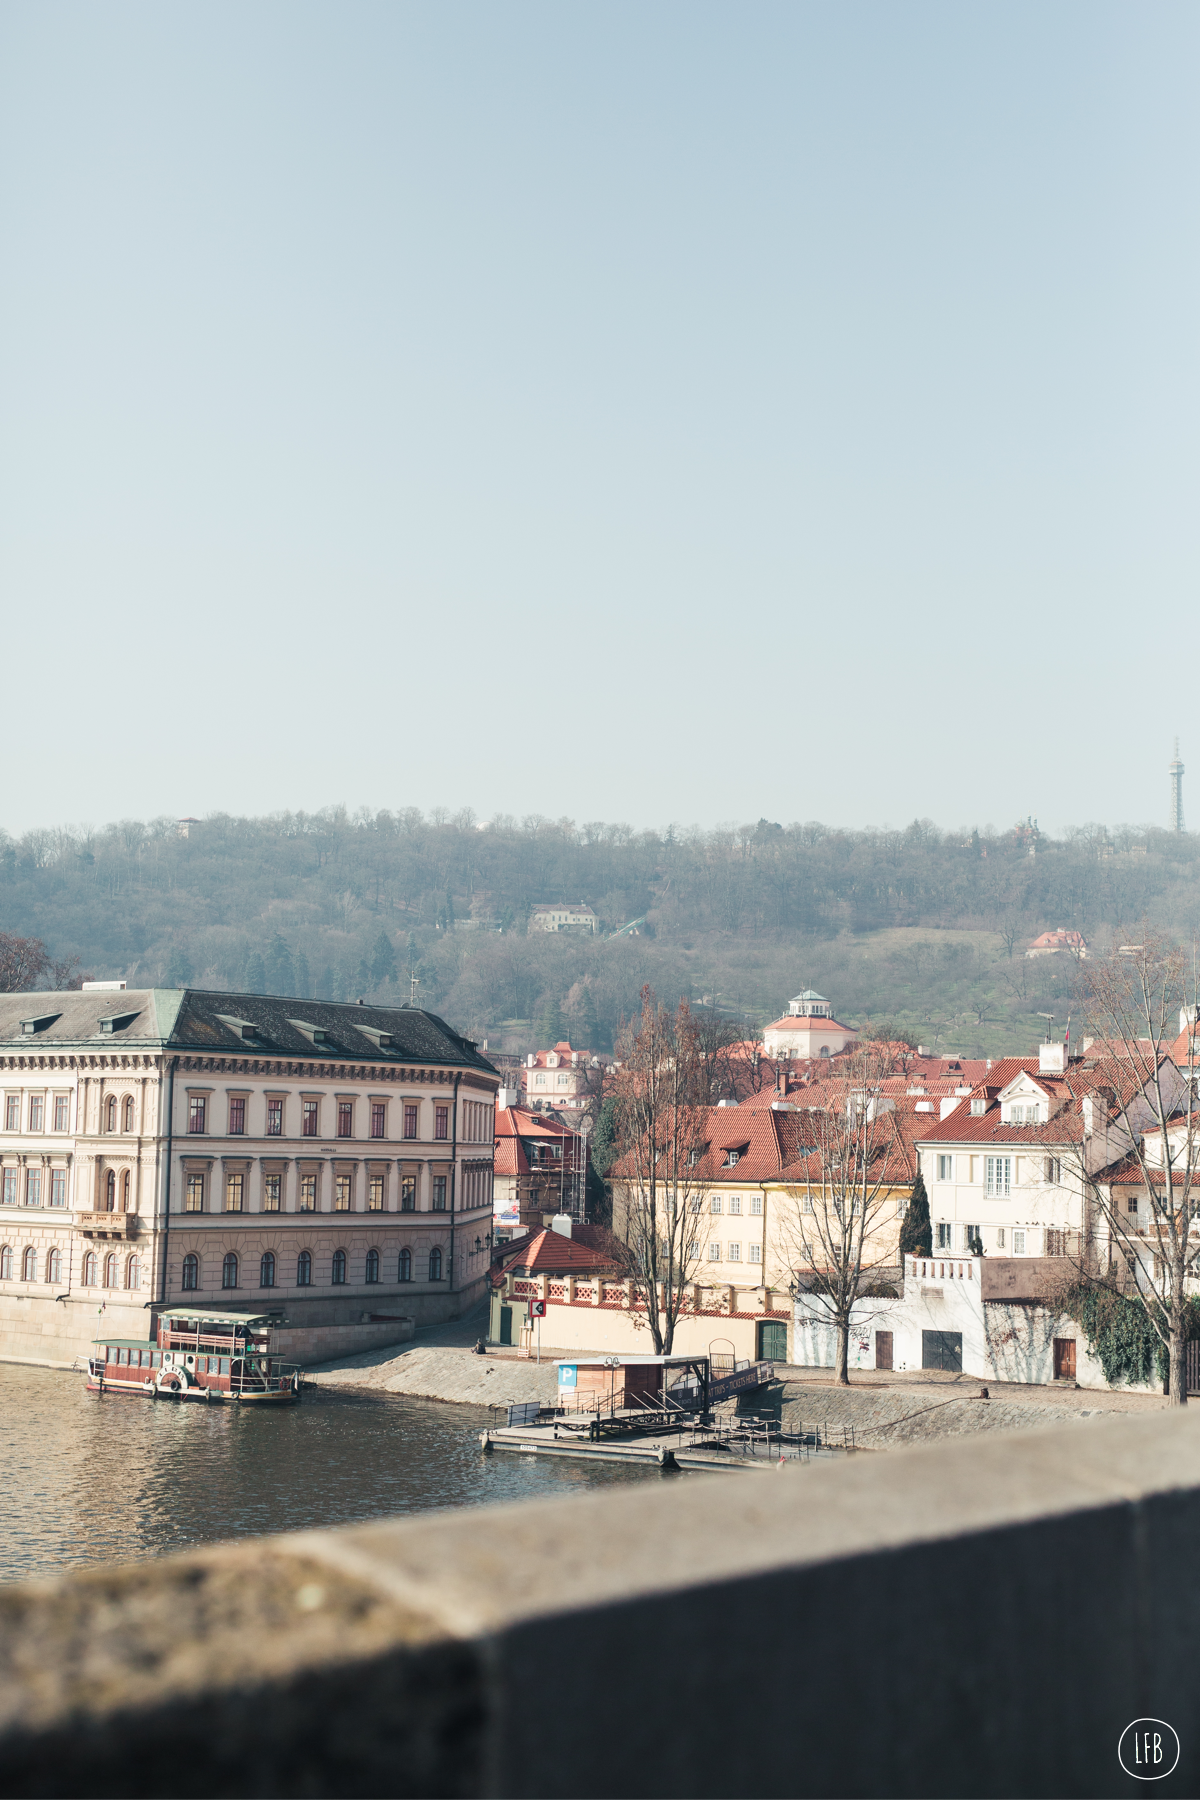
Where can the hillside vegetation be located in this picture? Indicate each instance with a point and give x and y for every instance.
(922, 928)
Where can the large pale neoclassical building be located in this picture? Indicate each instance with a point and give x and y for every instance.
(330, 1164)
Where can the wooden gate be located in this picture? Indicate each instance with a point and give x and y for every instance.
(772, 1341)
(942, 1350)
(883, 1349)
(1064, 1359)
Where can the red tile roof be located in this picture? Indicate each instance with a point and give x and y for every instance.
(549, 1253)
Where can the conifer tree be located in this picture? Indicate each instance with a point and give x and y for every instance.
(916, 1233)
(254, 974)
(179, 969)
(551, 1026)
(383, 960)
(586, 1027)
(300, 974)
(279, 972)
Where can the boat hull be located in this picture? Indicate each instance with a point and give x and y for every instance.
(138, 1390)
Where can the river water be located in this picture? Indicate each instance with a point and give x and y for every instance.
(95, 1479)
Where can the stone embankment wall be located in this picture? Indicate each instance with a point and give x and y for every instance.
(399, 1658)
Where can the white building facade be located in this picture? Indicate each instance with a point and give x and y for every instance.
(331, 1163)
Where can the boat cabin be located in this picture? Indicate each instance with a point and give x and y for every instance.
(199, 1355)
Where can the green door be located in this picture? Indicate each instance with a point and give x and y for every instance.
(506, 1324)
(772, 1341)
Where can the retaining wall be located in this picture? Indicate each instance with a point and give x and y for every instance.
(1029, 1596)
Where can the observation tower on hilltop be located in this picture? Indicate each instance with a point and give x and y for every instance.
(1176, 791)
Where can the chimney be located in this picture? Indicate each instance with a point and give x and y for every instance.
(1051, 1059)
(506, 1096)
(781, 1080)
(949, 1102)
(561, 1222)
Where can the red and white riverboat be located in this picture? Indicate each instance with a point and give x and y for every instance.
(204, 1356)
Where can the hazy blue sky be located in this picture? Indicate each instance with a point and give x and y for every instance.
(651, 411)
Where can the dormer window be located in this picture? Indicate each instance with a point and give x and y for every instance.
(117, 1022)
(30, 1027)
(978, 1107)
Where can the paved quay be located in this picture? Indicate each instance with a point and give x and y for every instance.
(882, 1409)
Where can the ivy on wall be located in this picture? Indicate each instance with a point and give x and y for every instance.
(1121, 1333)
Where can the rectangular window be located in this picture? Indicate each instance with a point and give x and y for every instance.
(1131, 1205)
(754, 1252)
(1018, 1243)
(58, 1187)
(237, 1117)
(62, 1112)
(272, 1193)
(1000, 1238)
(308, 1193)
(441, 1123)
(944, 1238)
(12, 1112)
(439, 1193)
(735, 1253)
(345, 1124)
(714, 1253)
(697, 1204)
(714, 1205)
(945, 1168)
(756, 1201)
(308, 1127)
(33, 1187)
(274, 1118)
(194, 1198)
(375, 1194)
(378, 1118)
(1052, 1170)
(196, 1109)
(410, 1121)
(998, 1176)
(341, 1194)
(233, 1192)
(408, 1194)
(37, 1108)
(735, 1203)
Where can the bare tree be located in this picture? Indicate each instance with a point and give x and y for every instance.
(661, 1090)
(23, 962)
(834, 1237)
(1142, 1120)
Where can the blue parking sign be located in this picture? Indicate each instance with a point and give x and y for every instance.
(566, 1374)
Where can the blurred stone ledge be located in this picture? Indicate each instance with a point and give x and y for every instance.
(983, 1616)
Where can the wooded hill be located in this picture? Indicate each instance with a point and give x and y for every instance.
(919, 927)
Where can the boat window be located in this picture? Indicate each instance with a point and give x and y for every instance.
(156, 1359)
(223, 1365)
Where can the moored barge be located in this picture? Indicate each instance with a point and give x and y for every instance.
(199, 1356)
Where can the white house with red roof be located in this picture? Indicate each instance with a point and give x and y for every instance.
(1059, 943)
(559, 1077)
(807, 1029)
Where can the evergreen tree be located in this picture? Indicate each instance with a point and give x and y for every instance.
(586, 1026)
(551, 1026)
(341, 981)
(604, 1138)
(362, 980)
(916, 1233)
(179, 969)
(254, 974)
(383, 960)
(280, 974)
(301, 978)
(325, 984)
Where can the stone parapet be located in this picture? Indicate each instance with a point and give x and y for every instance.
(978, 1618)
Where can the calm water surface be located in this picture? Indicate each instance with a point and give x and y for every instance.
(94, 1479)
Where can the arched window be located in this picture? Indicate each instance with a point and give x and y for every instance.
(372, 1265)
(339, 1268)
(126, 1185)
(128, 1126)
(191, 1274)
(6, 1265)
(54, 1266)
(110, 1191)
(229, 1270)
(111, 1113)
(435, 1264)
(110, 1269)
(29, 1265)
(304, 1269)
(133, 1273)
(89, 1269)
(266, 1270)
(405, 1266)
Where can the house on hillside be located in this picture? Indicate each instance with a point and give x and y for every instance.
(558, 916)
(559, 1077)
(1059, 943)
